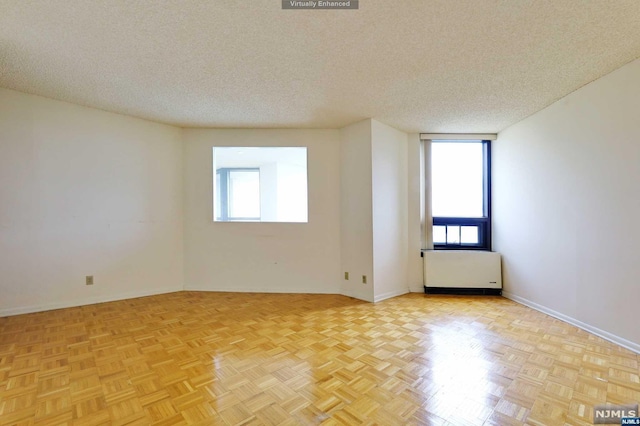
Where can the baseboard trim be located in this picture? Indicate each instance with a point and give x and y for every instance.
(259, 290)
(632, 346)
(355, 295)
(341, 291)
(389, 295)
(88, 301)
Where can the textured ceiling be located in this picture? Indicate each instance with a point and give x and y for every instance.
(418, 65)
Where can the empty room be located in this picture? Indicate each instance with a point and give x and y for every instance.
(270, 212)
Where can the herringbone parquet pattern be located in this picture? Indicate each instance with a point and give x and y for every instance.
(273, 359)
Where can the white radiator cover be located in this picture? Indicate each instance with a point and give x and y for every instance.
(462, 269)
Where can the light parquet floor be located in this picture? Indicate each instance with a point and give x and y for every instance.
(281, 359)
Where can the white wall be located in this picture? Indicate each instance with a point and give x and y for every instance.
(567, 203)
(374, 208)
(263, 257)
(356, 226)
(292, 188)
(85, 192)
(389, 211)
(269, 192)
(415, 203)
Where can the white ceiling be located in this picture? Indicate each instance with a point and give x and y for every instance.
(418, 65)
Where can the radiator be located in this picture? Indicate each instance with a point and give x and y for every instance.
(462, 269)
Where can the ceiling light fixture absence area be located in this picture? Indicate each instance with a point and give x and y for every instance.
(464, 66)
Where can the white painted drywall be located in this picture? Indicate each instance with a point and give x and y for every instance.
(566, 205)
(292, 192)
(269, 192)
(389, 210)
(263, 257)
(85, 192)
(356, 225)
(415, 203)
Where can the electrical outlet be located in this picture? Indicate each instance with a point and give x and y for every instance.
(89, 280)
(346, 275)
(364, 279)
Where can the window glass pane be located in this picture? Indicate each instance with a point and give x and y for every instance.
(453, 234)
(439, 234)
(244, 194)
(457, 179)
(469, 234)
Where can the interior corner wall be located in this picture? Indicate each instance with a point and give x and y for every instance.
(566, 207)
(389, 149)
(356, 217)
(261, 256)
(85, 192)
(415, 203)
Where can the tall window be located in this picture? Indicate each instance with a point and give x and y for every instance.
(460, 194)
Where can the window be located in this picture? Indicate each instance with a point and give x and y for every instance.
(260, 184)
(238, 194)
(460, 194)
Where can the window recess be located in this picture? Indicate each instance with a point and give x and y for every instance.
(260, 184)
(458, 182)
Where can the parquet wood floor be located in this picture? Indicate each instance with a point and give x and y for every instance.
(276, 359)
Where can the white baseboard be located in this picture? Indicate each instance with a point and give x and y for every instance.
(632, 346)
(355, 295)
(231, 289)
(87, 301)
(390, 294)
(343, 291)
